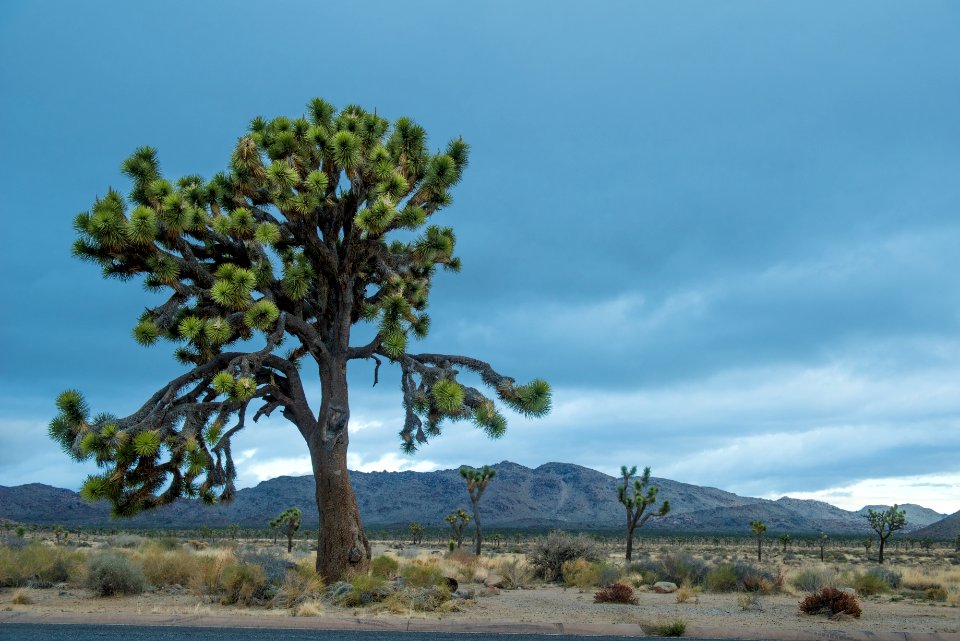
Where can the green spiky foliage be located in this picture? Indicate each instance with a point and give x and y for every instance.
(477, 481)
(288, 522)
(785, 541)
(758, 527)
(885, 523)
(636, 502)
(416, 532)
(319, 223)
(458, 521)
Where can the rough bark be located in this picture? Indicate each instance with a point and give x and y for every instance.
(476, 523)
(629, 543)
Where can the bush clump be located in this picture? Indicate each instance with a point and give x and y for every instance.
(616, 593)
(422, 575)
(243, 584)
(365, 589)
(580, 573)
(677, 567)
(551, 551)
(37, 565)
(113, 573)
(674, 628)
(831, 601)
(812, 580)
(384, 566)
(868, 584)
(300, 585)
(891, 577)
(168, 568)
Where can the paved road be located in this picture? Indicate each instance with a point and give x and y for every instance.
(41, 632)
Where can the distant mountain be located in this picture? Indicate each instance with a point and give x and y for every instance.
(947, 529)
(552, 495)
(915, 514)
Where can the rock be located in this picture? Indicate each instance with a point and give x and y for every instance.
(451, 583)
(490, 591)
(850, 591)
(494, 581)
(464, 593)
(664, 587)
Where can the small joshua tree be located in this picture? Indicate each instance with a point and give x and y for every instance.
(885, 523)
(416, 532)
(867, 544)
(785, 541)
(477, 481)
(644, 495)
(823, 543)
(759, 527)
(21, 531)
(288, 522)
(457, 520)
(61, 533)
(497, 538)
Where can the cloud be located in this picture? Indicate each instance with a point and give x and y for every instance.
(939, 492)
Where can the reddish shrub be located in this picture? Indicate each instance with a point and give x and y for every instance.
(830, 600)
(616, 593)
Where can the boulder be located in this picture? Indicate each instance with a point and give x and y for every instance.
(664, 587)
(495, 581)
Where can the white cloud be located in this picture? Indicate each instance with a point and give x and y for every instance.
(935, 491)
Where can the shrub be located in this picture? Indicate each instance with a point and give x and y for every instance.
(113, 573)
(580, 573)
(680, 567)
(935, 593)
(126, 541)
(891, 577)
(168, 568)
(516, 572)
(21, 597)
(242, 583)
(299, 586)
(674, 628)
(722, 579)
(830, 600)
(384, 566)
(274, 566)
(422, 575)
(616, 593)
(812, 580)
(551, 551)
(686, 592)
(365, 589)
(208, 573)
(37, 564)
(750, 601)
(609, 574)
(868, 584)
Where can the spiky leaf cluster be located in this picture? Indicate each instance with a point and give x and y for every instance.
(642, 496)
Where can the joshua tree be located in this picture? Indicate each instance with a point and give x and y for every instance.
(60, 532)
(21, 531)
(759, 527)
(288, 522)
(416, 532)
(822, 541)
(457, 520)
(320, 223)
(885, 523)
(497, 538)
(956, 544)
(867, 544)
(644, 495)
(477, 481)
(785, 541)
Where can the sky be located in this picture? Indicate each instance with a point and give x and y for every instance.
(725, 232)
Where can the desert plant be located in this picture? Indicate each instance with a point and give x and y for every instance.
(300, 585)
(113, 573)
(636, 502)
(416, 532)
(242, 583)
(935, 593)
(288, 522)
(830, 600)
(867, 544)
(516, 572)
(868, 584)
(750, 601)
(758, 527)
(549, 553)
(168, 568)
(673, 628)
(384, 566)
(885, 523)
(812, 580)
(458, 521)
(823, 543)
(785, 541)
(34, 563)
(680, 567)
(892, 578)
(722, 578)
(580, 573)
(21, 597)
(477, 481)
(365, 589)
(419, 574)
(616, 593)
(208, 573)
(20, 531)
(685, 593)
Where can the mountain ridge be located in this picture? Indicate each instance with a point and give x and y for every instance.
(551, 495)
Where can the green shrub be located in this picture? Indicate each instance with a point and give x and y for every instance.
(935, 593)
(674, 628)
(677, 567)
(242, 583)
(169, 568)
(609, 574)
(722, 579)
(891, 577)
(551, 551)
(422, 575)
(365, 589)
(868, 584)
(113, 573)
(384, 566)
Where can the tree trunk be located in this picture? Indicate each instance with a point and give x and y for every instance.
(289, 543)
(342, 547)
(476, 523)
(629, 544)
(759, 549)
(880, 557)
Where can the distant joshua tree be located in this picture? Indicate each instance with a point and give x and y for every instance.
(823, 543)
(885, 523)
(416, 532)
(867, 544)
(759, 527)
(644, 495)
(477, 481)
(785, 541)
(288, 522)
(61, 532)
(497, 538)
(457, 520)
(956, 544)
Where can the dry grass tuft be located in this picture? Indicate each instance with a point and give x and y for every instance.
(21, 597)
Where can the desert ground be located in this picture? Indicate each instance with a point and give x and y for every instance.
(720, 583)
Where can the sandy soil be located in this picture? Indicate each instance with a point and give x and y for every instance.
(546, 604)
